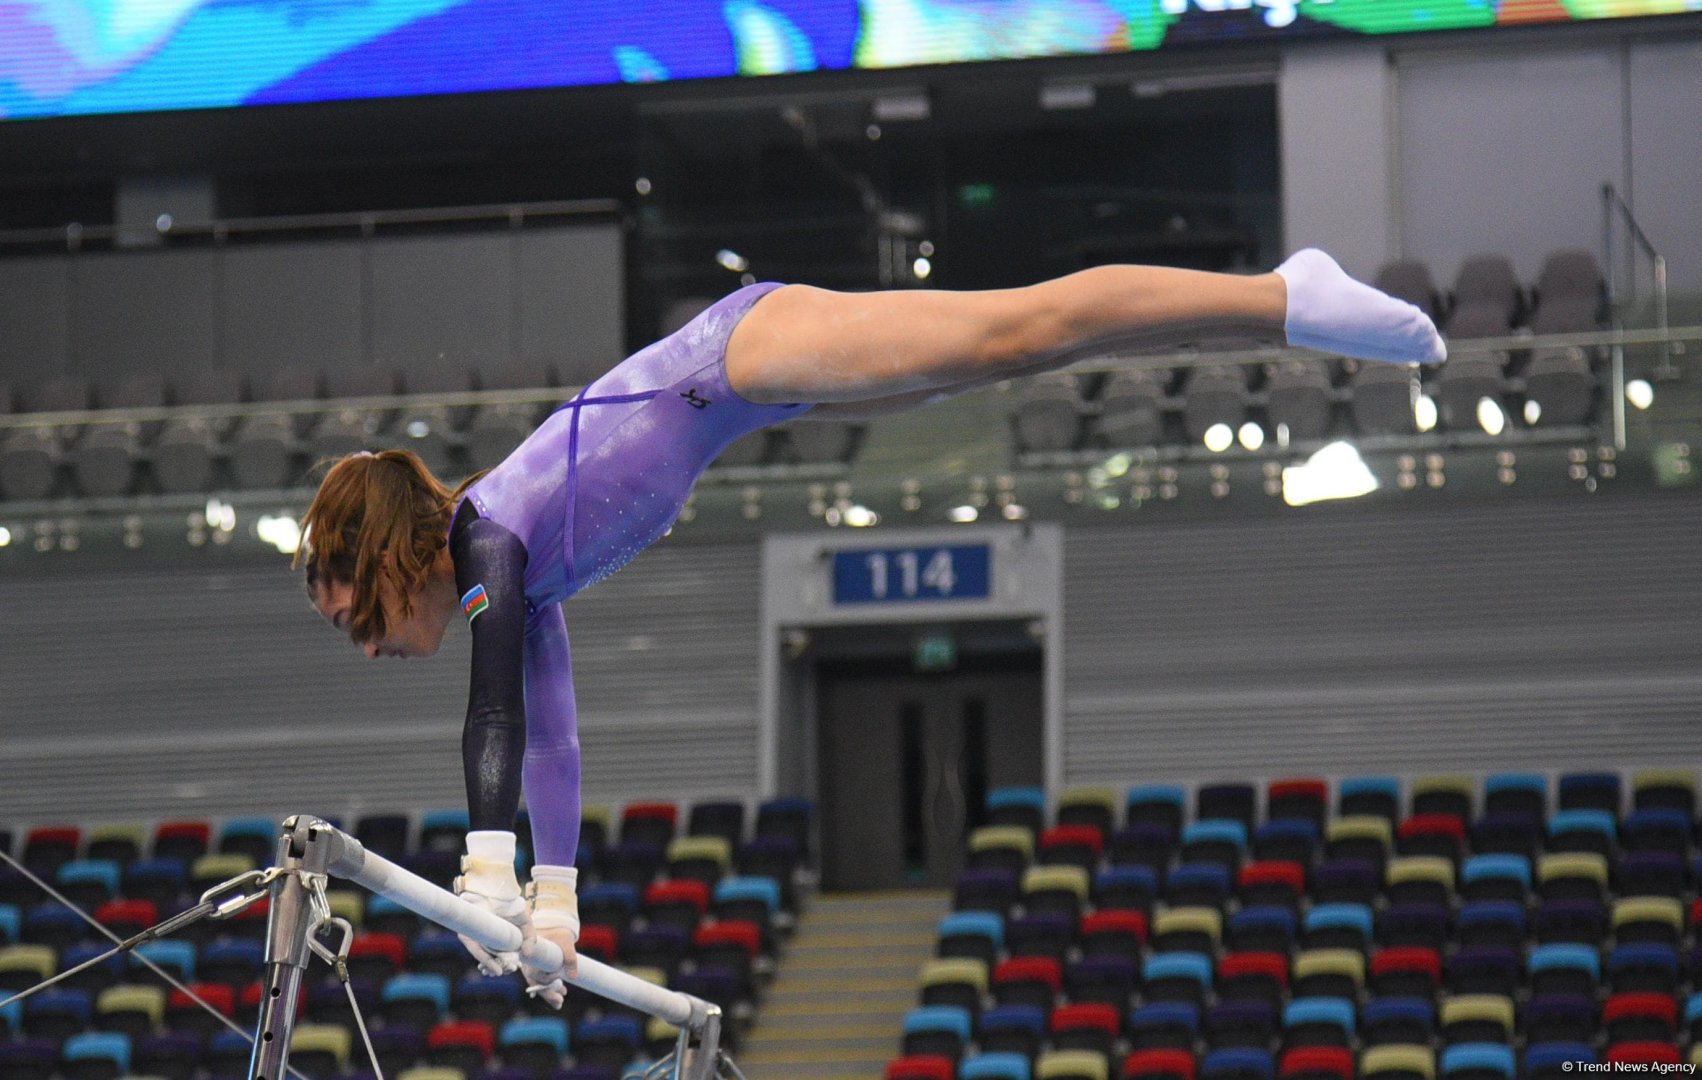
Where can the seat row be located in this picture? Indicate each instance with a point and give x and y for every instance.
(1466, 1061)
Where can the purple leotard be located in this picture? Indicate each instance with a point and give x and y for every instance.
(599, 481)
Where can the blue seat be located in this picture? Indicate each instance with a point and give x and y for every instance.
(761, 889)
(1561, 956)
(10, 923)
(984, 925)
(938, 1018)
(177, 956)
(1024, 806)
(1264, 928)
(1660, 829)
(1597, 823)
(264, 828)
(1558, 1056)
(1305, 1022)
(1177, 967)
(102, 874)
(1239, 1063)
(1008, 1027)
(93, 1045)
(444, 819)
(1645, 967)
(12, 1016)
(1478, 1057)
(416, 985)
(611, 1029)
(1591, 791)
(1517, 792)
(1192, 884)
(1398, 1020)
(1378, 795)
(56, 1011)
(1133, 887)
(1693, 1010)
(49, 923)
(1354, 918)
(105, 973)
(1482, 870)
(550, 1030)
(1286, 839)
(1493, 922)
(995, 1066)
(1216, 831)
(1158, 804)
(1163, 1024)
(250, 954)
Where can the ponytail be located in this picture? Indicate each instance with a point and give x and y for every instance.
(377, 524)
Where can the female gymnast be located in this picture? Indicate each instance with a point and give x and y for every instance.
(393, 555)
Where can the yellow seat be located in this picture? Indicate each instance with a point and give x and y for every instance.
(957, 969)
(658, 1029)
(1419, 1060)
(1072, 1065)
(133, 835)
(431, 1072)
(1199, 920)
(1674, 778)
(1360, 827)
(147, 1000)
(1349, 962)
(989, 837)
(346, 905)
(1451, 784)
(1098, 798)
(219, 867)
(1066, 878)
(323, 1038)
(653, 975)
(1487, 1007)
(36, 960)
(712, 848)
(1650, 909)
(1696, 1054)
(1407, 868)
(1588, 865)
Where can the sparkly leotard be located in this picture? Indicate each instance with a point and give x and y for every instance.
(599, 481)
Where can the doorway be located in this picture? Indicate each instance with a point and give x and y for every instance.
(906, 758)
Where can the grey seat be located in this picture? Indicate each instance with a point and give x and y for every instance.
(1562, 384)
(105, 460)
(1131, 408)
(1478, 319)
(1567, 313)
(30, 460)
(1048, 413)
(1298, 397)
(185, 456)
(1214, 395)
(1410, 280)
(432, 431)
(1463, 383)
(345, 431)
(266, 450)
(1381, 400)
(1489, 279)
(1570, 272)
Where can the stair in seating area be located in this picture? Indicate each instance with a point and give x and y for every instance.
(835, 1010)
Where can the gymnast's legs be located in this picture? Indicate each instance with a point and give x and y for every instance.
(870, 352)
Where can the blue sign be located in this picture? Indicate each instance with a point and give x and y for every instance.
(901, 575)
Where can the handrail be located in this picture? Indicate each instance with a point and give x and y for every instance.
(1615, 207)
(75, 234)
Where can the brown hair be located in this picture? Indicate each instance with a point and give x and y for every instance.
(376, 518)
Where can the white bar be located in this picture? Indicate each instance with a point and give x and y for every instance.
(446, 909)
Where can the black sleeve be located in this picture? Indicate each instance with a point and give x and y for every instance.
(490, 564)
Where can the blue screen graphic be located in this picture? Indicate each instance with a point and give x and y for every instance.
(907, 575)
(74, 57)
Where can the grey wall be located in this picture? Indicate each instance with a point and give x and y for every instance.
(1441, 153)
(1545, 635)
(533, 295)
(153, 693)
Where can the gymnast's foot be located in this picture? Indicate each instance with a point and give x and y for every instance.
(1330, 311)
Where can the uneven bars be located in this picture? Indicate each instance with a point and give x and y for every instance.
(349, 859)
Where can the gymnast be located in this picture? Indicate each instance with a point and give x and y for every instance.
(393, 555)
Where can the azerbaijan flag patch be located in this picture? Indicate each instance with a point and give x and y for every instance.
(474, 602)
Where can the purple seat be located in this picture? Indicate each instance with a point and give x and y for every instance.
(29, 1059)
(1345, 881)
(985, 890)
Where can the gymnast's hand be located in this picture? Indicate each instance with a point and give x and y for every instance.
(555, 917)
(487, 880)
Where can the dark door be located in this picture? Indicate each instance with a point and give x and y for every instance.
(907, 760)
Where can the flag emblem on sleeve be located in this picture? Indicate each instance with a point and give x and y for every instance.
(474, 602)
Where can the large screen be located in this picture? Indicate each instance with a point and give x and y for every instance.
(75, 57)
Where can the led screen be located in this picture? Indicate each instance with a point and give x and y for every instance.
(72, 57)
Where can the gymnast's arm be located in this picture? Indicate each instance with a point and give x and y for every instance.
(493, 742)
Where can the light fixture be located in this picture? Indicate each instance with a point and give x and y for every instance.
(1533, 412)
(921, 268)
(1424, 414)
(861, 517)
(1014, 512)
(1334, 472)
(1218, 438)
(1490, 416)
(732, 260)
(1640, 393)
(963, 515)
(281, 531)
(1252, 436)
(5, 536)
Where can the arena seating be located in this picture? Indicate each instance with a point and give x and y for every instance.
(704, 915)
(1447, 927)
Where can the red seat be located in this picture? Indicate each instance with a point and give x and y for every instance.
(1115, 921)
(1695, 913)
(1268, 965)
(655, 811)
(1073, 836)
(1643, 1053)
(1433, 824)
(1661, 1007)
(1289, 875)
(1334, 1060)
(684, 891)
(598, 942)
(219, 996)
(1090, 1015)
(746, 935)
(463, 1033)
(389, 946)
(139, 914)
(1408, 958)
(1036, 968)
(250, 999)
(921, 1067)
(1308, 788)
(184, 830)
(1159, 1063)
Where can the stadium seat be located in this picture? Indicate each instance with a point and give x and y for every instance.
(1316, 1063)
(1591, 831)
(1490, 922)
(957, 981)
(1109, 980)
(1495, 877)
(679, 903)
(1439, 835)
(1590, 791)
(1159, 1064)
(993, 891)
(1159, 805)
(1143, 844)
(699, 858)
(1289, 839)
(996, 1066)
(1086, 1026)
(1262, 929)
(1328, 973)
(1252, 977)
(1640, 1017)
(1072, 1065)
(1320, 1021)
(1424, 924)
(320, 1050)
(171, 1055)
(1021, 807)
(978, 935)
(937, 1030)
(1270, 883)
(1072, 845)
(1397, 1021)
(1222, 841)
(920, 1067)
(1557, 1017)
(1305, 799)
(1664, 789)
(1234, 801)
(95, 1055)
(1027, 980)
(1001, 847)
(1187, 930)
(1476, 1018)
(1198, 885)
(1507, 833)
(1044, 933)
(1160, 1025)
(1484, 969)
(1237, 1063)
(1565, 968)
(468, 1044)
(1178, 977)
(1420, 879)
(1093, 807)
(1346, 881)
(1011, 1029)
(1406, 972)
(1556, 1060)
(55, 1013)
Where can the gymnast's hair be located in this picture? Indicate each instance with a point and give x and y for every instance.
(376, 518)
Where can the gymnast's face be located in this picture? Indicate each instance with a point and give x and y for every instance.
(419, 634)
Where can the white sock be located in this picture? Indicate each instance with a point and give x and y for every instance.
(1330, 311)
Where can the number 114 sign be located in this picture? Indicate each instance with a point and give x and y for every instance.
(899, 575)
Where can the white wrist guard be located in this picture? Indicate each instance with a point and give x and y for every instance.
(488, 866)
(554, 899)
